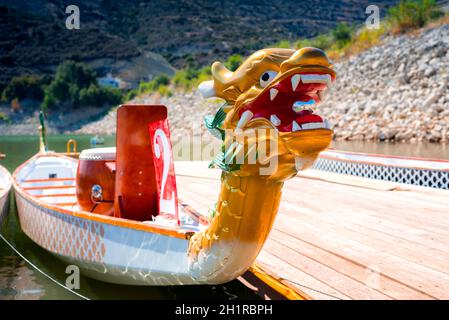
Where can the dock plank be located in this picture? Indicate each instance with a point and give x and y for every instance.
(359, 272)
(344, 237)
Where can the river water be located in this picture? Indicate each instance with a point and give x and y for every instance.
(18, 280)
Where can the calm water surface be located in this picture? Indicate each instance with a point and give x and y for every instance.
(20, 281)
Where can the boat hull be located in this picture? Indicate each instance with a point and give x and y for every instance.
(5, 187)
(106, 252)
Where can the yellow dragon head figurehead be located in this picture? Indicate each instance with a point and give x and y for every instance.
(276, 89)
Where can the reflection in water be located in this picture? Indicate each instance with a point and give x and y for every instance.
(17, 281)
(420, 150)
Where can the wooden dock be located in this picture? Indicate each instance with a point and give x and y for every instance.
(344, 237)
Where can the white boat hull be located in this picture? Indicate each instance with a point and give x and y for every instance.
(5, 187)
(105, 248)
(107, 252)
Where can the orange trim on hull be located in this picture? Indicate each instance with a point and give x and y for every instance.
(277, 284)
(48, 187)
(48, 180)
(66, 204)
(55, 195)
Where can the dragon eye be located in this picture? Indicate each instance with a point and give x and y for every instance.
(267, 77)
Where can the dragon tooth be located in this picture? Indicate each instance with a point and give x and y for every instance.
(307, 126)
(273, 93)
(295, 126)
(244, 119)
(313, 125)
(317, 78)
(322, 95)
(295, 81)
(275, 120)
(309, 78)
(328, 80)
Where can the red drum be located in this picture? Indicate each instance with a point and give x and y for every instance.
(95, 180)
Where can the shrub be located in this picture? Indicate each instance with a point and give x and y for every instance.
(131, 94)
(367, 38)
(70, 78)
(232, 63)
(284, 44)
(153, 85)
(165, 91)
(411, 14)
(186, 78)
(98, 96)
(190, 77)
(75, 73)
(25, 87)
(323, 42)
(342, 34)
(75, 84)
(4, 117)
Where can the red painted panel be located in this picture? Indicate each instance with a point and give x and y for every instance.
(136, 194)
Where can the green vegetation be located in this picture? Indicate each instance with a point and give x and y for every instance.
(342, 35)
(4, 117)
(345, 40)
(283, 44)
(336, 39)
(323, 42)
(192, 76)
(25, 87)
(233, 62)
(412, 14)
(75, 85)
(154, 85)
(158, 84)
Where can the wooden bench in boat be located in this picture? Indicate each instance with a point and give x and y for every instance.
(344, 237)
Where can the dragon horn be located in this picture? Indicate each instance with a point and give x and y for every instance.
(221, 73)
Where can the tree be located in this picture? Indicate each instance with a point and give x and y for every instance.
(342, 34)
(24, 87)
(75, 85)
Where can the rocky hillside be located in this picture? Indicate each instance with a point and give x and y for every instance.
(399, 91)
(396, 91)
(34, 38)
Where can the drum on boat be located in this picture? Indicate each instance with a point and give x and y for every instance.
(95, 180)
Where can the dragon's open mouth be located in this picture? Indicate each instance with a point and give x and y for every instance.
(289, 102)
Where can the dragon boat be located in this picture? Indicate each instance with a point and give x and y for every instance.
(5, 187)
(114, 212)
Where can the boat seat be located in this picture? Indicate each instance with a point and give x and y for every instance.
(99, 154)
